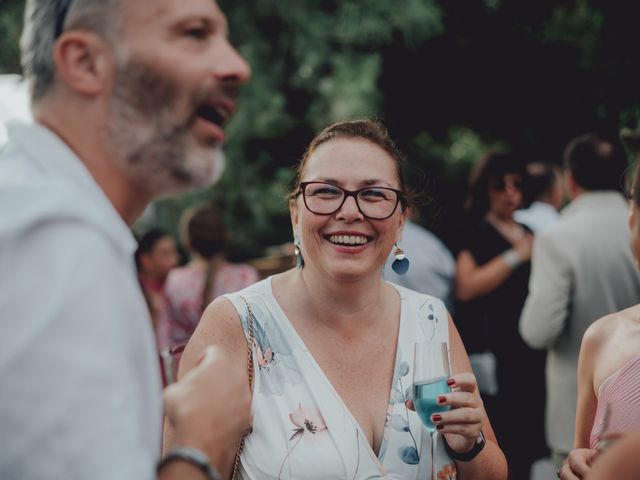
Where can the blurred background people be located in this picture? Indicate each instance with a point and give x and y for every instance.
(543, 194)
(432, 267)
(189, 289)
(582, 270)
(491, 286)
(155, 256)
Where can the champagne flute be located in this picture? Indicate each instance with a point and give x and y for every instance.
(430, 374)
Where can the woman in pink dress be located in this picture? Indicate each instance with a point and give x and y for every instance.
(208, 275)
(608, 373)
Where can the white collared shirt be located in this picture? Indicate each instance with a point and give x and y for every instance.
(80, 394)
(538, 217)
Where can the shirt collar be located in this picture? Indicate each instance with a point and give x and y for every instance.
(594, 199)
(54, 157)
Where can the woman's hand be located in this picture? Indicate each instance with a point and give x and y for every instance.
(577, 465)
(524, 246)
(462, 424)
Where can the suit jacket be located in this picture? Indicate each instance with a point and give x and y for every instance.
(582, 269)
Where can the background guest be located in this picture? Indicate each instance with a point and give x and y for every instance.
(432, 266)
(155, 256)
(491, 286)
(189, 289)
(582, 270)
(543, 194)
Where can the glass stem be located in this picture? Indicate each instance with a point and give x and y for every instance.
(433, 435)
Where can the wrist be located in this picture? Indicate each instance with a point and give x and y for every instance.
(195, 458)
(213, 448)
(469, 454)
(512, 258)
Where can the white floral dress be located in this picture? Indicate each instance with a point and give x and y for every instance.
(301, 427)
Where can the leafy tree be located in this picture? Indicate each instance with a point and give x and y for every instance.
(448, 78)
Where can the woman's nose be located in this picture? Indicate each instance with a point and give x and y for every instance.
(349, 210)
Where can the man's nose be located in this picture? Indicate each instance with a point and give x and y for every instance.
(232, 66)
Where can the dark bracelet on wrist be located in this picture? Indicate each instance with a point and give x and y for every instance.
(466, 456)
(191, 455)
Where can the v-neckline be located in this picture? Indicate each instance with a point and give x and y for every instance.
(298, 339)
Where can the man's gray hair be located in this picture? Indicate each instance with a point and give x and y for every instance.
(41, 22)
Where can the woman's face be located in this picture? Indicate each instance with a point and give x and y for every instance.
(505, 195)
(346, 245)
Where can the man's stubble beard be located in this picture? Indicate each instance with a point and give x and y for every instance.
(154, 148)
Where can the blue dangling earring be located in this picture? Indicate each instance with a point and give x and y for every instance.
(401, 264)
(298, 252)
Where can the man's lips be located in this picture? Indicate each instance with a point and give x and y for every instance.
(213, 115)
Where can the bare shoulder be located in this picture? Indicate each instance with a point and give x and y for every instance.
(610, 342)
(220, 325)
(606, 328)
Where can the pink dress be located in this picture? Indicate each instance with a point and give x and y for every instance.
(620, 396)
(183, 290)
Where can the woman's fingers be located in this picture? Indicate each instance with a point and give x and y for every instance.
(459, 400)
(465, 382)
(577, 465)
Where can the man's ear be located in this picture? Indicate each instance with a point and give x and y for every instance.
(84, 62)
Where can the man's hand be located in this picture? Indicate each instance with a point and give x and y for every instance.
(209, 407)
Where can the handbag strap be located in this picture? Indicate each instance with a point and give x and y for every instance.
(250, 340)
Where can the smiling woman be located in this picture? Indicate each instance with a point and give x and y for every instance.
(323, 406)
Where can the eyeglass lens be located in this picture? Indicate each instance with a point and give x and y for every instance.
(373, 202)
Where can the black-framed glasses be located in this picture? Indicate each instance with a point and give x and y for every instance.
(376, 203)
(61, 16)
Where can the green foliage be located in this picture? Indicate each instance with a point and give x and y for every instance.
(10, 29)
(313, 62)
(529, 74)
(578, 25)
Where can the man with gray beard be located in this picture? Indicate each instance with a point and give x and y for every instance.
(130, 100)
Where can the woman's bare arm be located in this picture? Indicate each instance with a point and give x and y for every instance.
(220, 326)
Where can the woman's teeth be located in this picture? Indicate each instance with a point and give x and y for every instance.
(348, 239)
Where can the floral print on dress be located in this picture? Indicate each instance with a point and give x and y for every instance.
(448, 472)
(273, 354)
(307, 421)
(400, 421)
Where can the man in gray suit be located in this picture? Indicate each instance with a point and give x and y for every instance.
(582, 269)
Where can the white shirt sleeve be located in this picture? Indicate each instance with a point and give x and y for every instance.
(72, 406)
(546, 309)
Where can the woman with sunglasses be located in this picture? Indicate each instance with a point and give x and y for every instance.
(492, 276)
(332, 341)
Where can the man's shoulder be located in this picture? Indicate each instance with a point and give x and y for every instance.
(25, 205)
